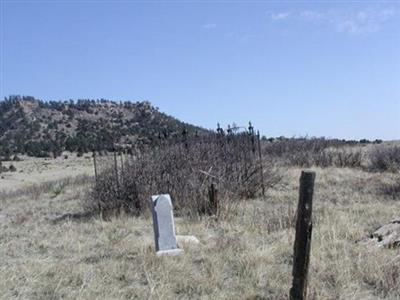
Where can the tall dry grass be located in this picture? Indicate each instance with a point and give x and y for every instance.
(248, 256)
(54, 187)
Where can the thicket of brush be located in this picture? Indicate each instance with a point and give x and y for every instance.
(307, 152)
(186, 171)
(385, 158)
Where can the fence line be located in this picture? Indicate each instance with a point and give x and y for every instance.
(104, 160)
(232, 157)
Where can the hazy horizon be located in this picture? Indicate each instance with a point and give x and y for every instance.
(293, 69)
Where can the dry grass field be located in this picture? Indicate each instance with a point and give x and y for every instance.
(38, 170)
(246, 255)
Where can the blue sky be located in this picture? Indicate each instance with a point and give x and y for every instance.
(317, 68)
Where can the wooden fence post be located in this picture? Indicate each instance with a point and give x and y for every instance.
(94, 165)
(213, 200)
(122, 163)
(261, 163)
(116, 168)
(302, 244)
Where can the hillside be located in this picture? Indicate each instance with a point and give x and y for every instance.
(38, 128)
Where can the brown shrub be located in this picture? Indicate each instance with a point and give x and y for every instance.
(344, 157)
(306, 152)
(185, 171)
(385, 158)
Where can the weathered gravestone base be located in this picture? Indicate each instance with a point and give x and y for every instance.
(187, 241)
(164, 228)
(173, 252)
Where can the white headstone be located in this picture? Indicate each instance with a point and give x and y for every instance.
(164, 228)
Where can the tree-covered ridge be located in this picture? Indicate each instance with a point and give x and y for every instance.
(46, 128)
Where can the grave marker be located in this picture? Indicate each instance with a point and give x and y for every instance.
(164, 228)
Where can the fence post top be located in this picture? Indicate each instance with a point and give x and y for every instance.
(308, 173)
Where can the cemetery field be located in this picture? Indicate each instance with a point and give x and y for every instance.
(245, 255)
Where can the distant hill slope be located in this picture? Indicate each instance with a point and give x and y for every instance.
(38, 128)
